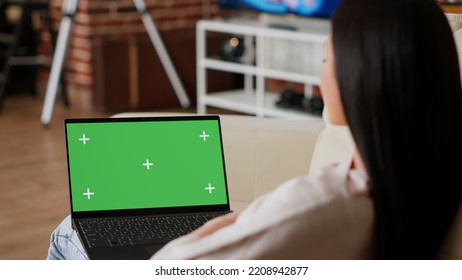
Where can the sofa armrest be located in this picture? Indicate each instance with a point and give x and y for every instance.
(261, 153)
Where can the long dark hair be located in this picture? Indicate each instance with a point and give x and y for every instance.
(398, 74)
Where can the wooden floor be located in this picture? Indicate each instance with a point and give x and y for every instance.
(33, 175)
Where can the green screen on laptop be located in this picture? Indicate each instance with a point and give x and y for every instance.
(145, 164)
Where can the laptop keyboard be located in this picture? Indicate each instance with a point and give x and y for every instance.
(141, 230)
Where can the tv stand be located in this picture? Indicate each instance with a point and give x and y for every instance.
(281, 54)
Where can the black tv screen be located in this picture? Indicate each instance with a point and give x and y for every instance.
(308, 8)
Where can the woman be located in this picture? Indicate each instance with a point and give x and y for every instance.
(397, 71)
(391, 73)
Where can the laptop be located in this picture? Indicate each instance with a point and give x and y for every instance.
(135, 182)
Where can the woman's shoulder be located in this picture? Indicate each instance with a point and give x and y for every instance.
(307, 217)
(318, 216)
(330, 184)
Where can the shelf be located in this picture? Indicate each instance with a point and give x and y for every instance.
(291, 76)
(240, 101)
(239, 68)
(452, 8)
(233, 67)
(251, 27)
(281, 54)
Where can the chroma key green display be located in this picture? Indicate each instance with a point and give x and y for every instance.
(145, 164)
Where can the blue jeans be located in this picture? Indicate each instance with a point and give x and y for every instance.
(65, 244)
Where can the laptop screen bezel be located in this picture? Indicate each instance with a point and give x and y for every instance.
(145, 211)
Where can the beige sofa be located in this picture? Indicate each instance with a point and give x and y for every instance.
(261, 153)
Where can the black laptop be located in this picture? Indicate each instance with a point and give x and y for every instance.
(137, 183)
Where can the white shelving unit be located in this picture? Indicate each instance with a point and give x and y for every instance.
(293, 55)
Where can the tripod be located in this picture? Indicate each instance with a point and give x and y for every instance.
(69, 11)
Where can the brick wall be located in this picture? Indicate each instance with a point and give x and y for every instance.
(97, 18)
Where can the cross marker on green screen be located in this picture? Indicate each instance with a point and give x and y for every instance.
(148, 164)
(210, 188)
(84, 139)
(88, 193)
(204, 136)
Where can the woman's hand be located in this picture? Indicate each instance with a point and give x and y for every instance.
(216, 224)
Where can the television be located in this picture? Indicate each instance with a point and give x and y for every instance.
(305, 8)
